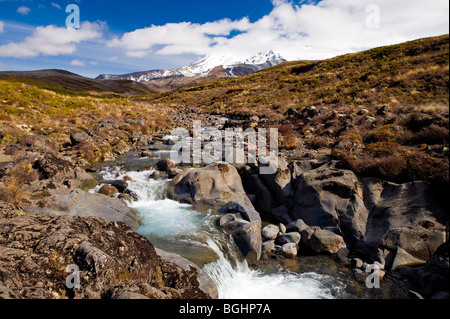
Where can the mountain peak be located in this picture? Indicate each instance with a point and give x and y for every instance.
(227, 63)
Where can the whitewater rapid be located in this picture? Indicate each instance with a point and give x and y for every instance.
(178, 228)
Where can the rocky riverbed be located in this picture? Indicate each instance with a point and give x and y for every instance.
(309, 214)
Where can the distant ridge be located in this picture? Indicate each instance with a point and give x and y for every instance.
(210, 67)
(77, 83)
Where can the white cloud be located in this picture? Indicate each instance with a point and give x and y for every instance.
(57, 6)
(2, 27)
(23, 10)
(78, 63)
(177, 38)
(306, 31)
(52, 41)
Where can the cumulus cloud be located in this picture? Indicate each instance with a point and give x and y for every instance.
(78, 63)
(177, 38)
(307, 31)
(82, 63)
(52, 41)
(23, 10)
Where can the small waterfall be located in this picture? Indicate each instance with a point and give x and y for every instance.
(176, 227)
(241, 282)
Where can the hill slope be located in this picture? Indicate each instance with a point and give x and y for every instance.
(383, 112)
(60, 80)
(411, 73)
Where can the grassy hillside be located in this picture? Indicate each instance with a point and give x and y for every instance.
(383, 112)
(69, 83)
(412, 73)
(110, 120)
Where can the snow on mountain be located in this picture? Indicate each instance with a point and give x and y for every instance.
(204, 66)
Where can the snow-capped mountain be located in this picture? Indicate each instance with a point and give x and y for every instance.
(227, 64)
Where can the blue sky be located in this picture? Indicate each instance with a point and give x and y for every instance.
(126, 36)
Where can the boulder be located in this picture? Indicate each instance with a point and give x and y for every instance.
(247, 212)
(281, 214)
(434, 276)
(329, 197)
(323, 241)
(165, 165)
(270, 232)
(402, 258)
(374, 217)
(296, 226)
(78, 138)
(268, 246)
(264, 199)
(108, 190)
(244, 223)
(121, 186)
(307, 233)
(289, 250)
(206, 284)
(292, 237)
(209, 187)
(279, 183)
(400, 218)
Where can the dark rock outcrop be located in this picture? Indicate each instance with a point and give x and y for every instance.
(244, 223)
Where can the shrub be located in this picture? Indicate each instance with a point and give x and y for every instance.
(13, 183)
(287, 139)
(430, 135)
(318, 142)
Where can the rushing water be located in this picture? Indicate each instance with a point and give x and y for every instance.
(178, 228)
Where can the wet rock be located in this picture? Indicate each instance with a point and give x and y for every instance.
(247, 212)
(157, 175)
(270, 232)
(121, 186)
(125, 197)
(165, 165)
(173, 172)
(246, 233)
(108, 190)
(206, 284)
(268, 246)
(289, 250)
